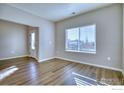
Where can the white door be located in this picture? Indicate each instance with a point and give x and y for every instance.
(33, 42)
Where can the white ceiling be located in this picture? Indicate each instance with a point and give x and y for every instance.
(57, 11)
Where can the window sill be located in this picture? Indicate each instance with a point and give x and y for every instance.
(89, 52)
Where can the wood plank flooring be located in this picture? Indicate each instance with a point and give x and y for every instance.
(56, 72)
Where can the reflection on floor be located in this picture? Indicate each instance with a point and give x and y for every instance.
(27, 71)
(7, 72)
(86, 81)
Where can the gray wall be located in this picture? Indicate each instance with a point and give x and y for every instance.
(109, 34)
(108, 22)
(46, 28)
(13, 40)
(123, 39)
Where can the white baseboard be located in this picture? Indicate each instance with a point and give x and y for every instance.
(43, 60)
(123, 73)
(76, 61)
(34, 58)
(13, 57)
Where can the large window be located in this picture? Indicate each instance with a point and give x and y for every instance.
(81, 39)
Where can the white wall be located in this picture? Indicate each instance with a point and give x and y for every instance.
(46, 34)
(108, 22)
(13, 40)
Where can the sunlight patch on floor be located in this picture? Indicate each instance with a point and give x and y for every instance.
(7, 72)
(81, 80)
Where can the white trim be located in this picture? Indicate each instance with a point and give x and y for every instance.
(82, 62)
(76, 51)
(33, 57)
(13, 57)
(43, 60)
(123, 72)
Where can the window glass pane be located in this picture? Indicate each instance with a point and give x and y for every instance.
(33, 40)
(72, 37)
(87, 38)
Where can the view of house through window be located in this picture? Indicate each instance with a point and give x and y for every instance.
(81, 39)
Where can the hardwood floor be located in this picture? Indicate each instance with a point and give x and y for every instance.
(57, 72)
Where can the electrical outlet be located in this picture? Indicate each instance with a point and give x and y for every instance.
(109, 58)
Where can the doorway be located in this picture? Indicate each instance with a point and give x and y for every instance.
(33, 39)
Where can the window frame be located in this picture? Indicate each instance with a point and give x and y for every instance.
(78, 51)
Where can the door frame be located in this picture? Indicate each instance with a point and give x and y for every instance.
(36, 30)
